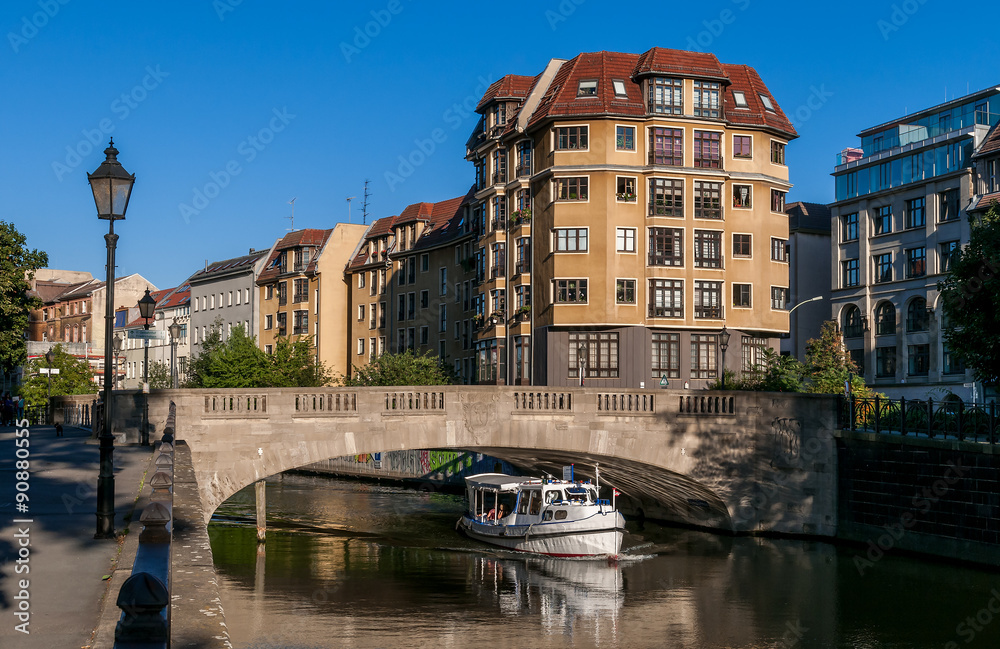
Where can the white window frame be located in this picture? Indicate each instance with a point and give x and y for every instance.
(555, 241)
(618, 238)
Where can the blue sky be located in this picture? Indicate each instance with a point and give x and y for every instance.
(270, 101)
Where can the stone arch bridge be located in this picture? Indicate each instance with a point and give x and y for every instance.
(739, 462)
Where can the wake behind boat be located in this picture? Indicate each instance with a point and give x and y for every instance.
(558, 518)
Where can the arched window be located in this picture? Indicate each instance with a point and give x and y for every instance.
(885, 319)
(76, 333)
(66, 334)
(852, 322)
(83, 332)
(916, 315)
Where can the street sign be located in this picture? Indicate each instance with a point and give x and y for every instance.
(663, 381)
(46, 370)
(147, 334)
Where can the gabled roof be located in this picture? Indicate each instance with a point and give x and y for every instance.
(49, 292)
(811, 217)
(381, 228)
(561, 98)
(991, 144)
(511, 86)
(298, 239)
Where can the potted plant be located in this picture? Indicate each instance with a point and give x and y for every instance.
(523, 312)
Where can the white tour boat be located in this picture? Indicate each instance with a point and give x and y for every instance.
(558, 518)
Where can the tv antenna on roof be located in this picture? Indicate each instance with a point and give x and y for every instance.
(349, 199)
(364, 206)
(292, 217)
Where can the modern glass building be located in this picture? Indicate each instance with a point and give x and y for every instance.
(901, 201)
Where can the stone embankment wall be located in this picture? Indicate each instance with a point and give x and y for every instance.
(923, 495)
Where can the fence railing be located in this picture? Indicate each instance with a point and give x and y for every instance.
(948, 419)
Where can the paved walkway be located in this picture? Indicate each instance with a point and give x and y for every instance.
(66, 565)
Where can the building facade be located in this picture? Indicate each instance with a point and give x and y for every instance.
(628, 209)
(900, 208)
(808, 275)
(225, 292)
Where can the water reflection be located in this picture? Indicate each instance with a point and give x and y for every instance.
(349, 565)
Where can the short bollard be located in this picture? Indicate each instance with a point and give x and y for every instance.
(163, 461)
(161, 483)
(154, 519)
(142, 599)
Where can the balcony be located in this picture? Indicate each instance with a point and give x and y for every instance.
(665, 312)
(500, 178)
(520, 217)
(523, 171)
(522, 267)
(498, 271)
(499, 224)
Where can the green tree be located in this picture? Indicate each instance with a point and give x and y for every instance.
(405, 368)
(17, 267)
(776, 373)
(159, 376)
(239, 363)
(828, 365)
(971, 299)
(74, 377)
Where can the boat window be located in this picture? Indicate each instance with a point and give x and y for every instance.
(547, 516)
(560, 515)
(553, 496)
(522, 503)
(536, 502)
(576, 495)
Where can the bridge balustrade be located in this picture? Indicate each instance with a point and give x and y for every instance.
(623, 402)
(414, 401)
(236, 405)
(707, 405)
(552, 401)
(327, 403)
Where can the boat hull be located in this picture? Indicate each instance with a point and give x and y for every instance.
(598, 536)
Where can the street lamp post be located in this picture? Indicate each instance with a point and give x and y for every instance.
(112, 188)
(146, 307)
(49, 356)
(724, 345)
(175, 334)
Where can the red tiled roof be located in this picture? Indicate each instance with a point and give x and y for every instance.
(415, 212)
(660, 60)
(511, 86)
(991, 144)
(445, 222)
(745, 79)
(561, 100)
(176, 297)
(380, 228)
(300, 238)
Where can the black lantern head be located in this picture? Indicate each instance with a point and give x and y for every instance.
(146, 306)
(112, 186)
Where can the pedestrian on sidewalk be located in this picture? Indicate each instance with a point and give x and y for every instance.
(20, 407)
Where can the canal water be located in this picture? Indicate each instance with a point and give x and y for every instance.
(350, 564)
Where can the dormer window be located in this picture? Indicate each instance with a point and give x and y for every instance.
(706, 99)
(767, 103)
(619, 86)
(666, 96)
(499, 115)
(740, 99)
(587, 88)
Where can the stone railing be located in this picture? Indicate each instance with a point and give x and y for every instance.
(236, 405)
(415, 401)
(550, 401)
(144, 598)
(626, 403)
(707, 404)
(311, 404)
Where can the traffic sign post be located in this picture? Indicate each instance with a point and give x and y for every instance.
(663, 381)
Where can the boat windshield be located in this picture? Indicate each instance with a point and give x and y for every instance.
(577, 494)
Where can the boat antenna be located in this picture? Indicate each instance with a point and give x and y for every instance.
(597, 476)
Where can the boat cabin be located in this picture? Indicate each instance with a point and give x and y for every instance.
(494, 496)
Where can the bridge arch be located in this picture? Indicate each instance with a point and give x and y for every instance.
(738, 462)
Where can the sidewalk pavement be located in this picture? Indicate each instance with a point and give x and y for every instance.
(66, 569)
